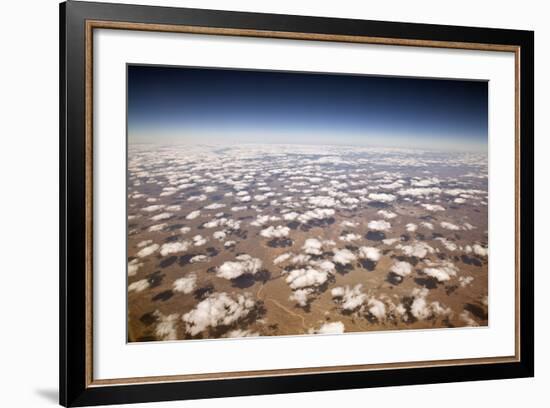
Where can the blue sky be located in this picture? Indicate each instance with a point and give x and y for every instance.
(202, 105)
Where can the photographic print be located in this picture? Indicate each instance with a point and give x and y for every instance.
(271, 203)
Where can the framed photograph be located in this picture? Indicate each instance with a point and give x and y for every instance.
(256, 203)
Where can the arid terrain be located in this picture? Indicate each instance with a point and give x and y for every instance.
(266, 240)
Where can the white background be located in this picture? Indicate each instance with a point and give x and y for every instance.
(115, 359)
(29, 176)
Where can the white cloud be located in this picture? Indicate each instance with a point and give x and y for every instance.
(401, 268)
(153, 208)
(185, 230)
(228, 244)
(331, 328)
(244, 264)
(144, 243)
(148, 250)
(411, 227)
(350, 237)
(377, 308)
(418, 192)
(237, 333)
(433, 207)
(371, 253)
(382, 197)
(416, 249)
(157, 227)
(387, 214)
(166, 328)
(291, 216)
(162, 216)
(199, 258)
(219, 235)
(466, 317)
(322, 201)
(465, 280)
(449, 226)
(421, 309)
(174, 247)
(133, 267)
(349, 298)
(379, 225)
(281, 258)
(138, 286)
(302, 278)
(193, 214)
(442, 271)
(301, 296)
(317, 214)
(214, 206)
(199, 240)
(219, 309)
(343, 256)
(427, 225)
(479, 250)
(449, 245)
(313, 246)
(275, 232)
(186, 284)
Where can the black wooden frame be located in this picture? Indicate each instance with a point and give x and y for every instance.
(73, 388)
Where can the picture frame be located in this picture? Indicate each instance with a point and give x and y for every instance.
(79, 21)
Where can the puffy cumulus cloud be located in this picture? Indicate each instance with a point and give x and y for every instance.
(193, 214)
(370, 253)
(343, 256)
(153, 208)
(323, 265)
(376, 308)
(148, 250)
(390, 241)
(322, 201)
(421, 309)
(465, 280)
(174, 207)
(382, 197)
(138, 286)
(237, 333)
(449, 226)
(433, 207)
(210, 189)
(420, 191)
(442, 271)
(331, 328)
(411, 227)
(186, 285)
(379, 225)
(281, 258)
(459, 200)
(313, 246)
(449, 245)
(316, 214)
(162, 216)
(427, 225)
(243, 265)
(185, 230)
(275, 232)
(387, 214)
(350, 237)
(166, 327)
(239, 208)
(466, 317)
(349, 224)
(349, 298)
(306, 277)
(300, 259)
(261, 220)
(425, 182)
(157, 227)
(133, 266)
(301, 296)
(200, 197)
(416, 249)
(479, 250)
(199, 240)
(215, 223)
(144, 243)
(174, 247)
(219, 309)
(401, 268)
(199, 258)
(391, 186)
(219, 235)
(290, 216)
(229, 244)
(214, 206)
